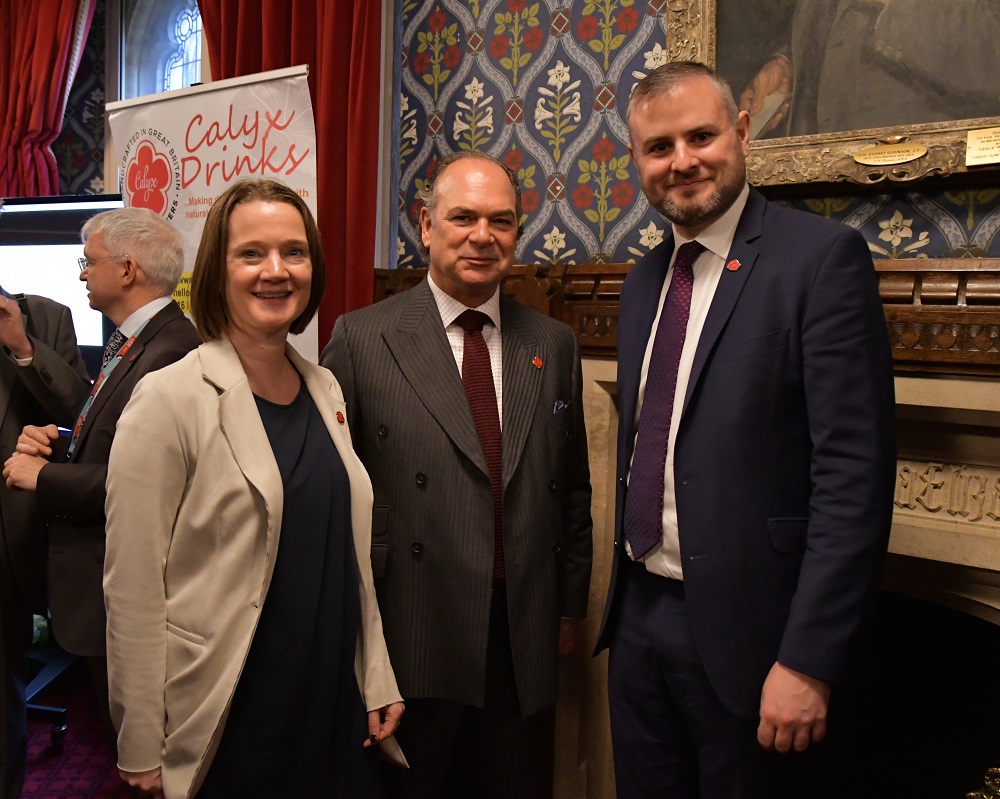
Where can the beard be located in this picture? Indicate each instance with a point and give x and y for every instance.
(695, 213)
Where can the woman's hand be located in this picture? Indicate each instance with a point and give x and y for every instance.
(144, 783)
(382, 723)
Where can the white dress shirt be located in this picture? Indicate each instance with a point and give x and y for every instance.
(665, 558)
(450, 309)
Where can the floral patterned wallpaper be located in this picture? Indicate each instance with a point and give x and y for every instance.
(544, 86)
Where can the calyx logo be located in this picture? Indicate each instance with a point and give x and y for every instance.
(148, 178)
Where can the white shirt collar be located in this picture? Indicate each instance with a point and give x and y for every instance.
(450, 308)
(137, 318)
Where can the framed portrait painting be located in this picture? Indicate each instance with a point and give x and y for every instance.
(858, 91)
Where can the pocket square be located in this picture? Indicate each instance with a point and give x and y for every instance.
(559, 407)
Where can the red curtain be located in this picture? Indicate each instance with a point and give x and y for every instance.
(340, 40)
(40, 46)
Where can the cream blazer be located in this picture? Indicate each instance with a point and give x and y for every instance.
(194, 514)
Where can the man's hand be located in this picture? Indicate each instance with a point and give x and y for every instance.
(775, 77)
(569, 632)
(144, 783)
(382, 723)
(792, 710)
(12, 334)
(21, 471)
(37, 440)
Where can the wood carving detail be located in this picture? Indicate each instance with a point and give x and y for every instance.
(943, 315)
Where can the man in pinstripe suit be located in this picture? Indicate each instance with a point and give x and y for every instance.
(479, 579)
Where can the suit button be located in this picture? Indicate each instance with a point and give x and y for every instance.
(416, 547)
(621, 481)
(616, 545)
(552, 485)
(383, 431)
(421, 478)
(557, 549)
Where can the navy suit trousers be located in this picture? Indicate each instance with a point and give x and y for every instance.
(673, 737)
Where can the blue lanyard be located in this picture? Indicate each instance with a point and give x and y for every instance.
(105, 372)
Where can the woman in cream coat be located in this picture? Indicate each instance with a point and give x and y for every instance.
(233, 671)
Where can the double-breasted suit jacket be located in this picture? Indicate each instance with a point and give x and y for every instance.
(71, 492)
(784, 456)
(432, 539)
(193, 536)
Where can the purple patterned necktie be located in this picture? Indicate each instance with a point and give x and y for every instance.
(643, 519)
(477, 377)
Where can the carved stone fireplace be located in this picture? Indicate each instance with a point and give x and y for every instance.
(944, 323)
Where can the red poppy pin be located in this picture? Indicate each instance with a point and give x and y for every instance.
(537, 362)
(733, 265)
(340, 417)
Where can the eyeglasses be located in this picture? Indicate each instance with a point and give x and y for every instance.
(85, 262)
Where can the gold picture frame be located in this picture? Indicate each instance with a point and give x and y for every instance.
(828, 157)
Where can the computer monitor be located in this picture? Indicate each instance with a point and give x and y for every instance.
(39, 247)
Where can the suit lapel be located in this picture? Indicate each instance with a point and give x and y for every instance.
(244, 431)
(730, 287)
(421, 350)
(153, 326)
(644, 288)
(522, 381)
(108, 390)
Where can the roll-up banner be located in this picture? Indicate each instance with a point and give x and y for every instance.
(178, 151)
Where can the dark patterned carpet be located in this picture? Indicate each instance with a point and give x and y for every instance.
(86, 767)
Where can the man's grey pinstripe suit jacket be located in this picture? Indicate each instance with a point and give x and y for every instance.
(432, 537)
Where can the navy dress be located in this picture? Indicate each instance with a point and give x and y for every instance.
(297, 721)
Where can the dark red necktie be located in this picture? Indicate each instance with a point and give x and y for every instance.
(477, 377)
(643, 518)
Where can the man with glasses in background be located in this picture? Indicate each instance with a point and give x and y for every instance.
(132, 262)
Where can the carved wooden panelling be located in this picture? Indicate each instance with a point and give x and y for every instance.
(943, 314)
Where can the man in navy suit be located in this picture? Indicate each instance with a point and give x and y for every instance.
(755, 465)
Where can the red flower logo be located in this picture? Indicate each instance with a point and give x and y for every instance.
(513, 160)
(604, 151)
(421, 62)
(583, 196)
(452, 56)
(498, 47)
(529, 201)
(628, 20)
(516, 5)
(587, 27)
(147, 178)
(533, 39)
(622, 194)
(436, 22)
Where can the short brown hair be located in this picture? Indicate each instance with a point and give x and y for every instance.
(665, 77)
(209, 303)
